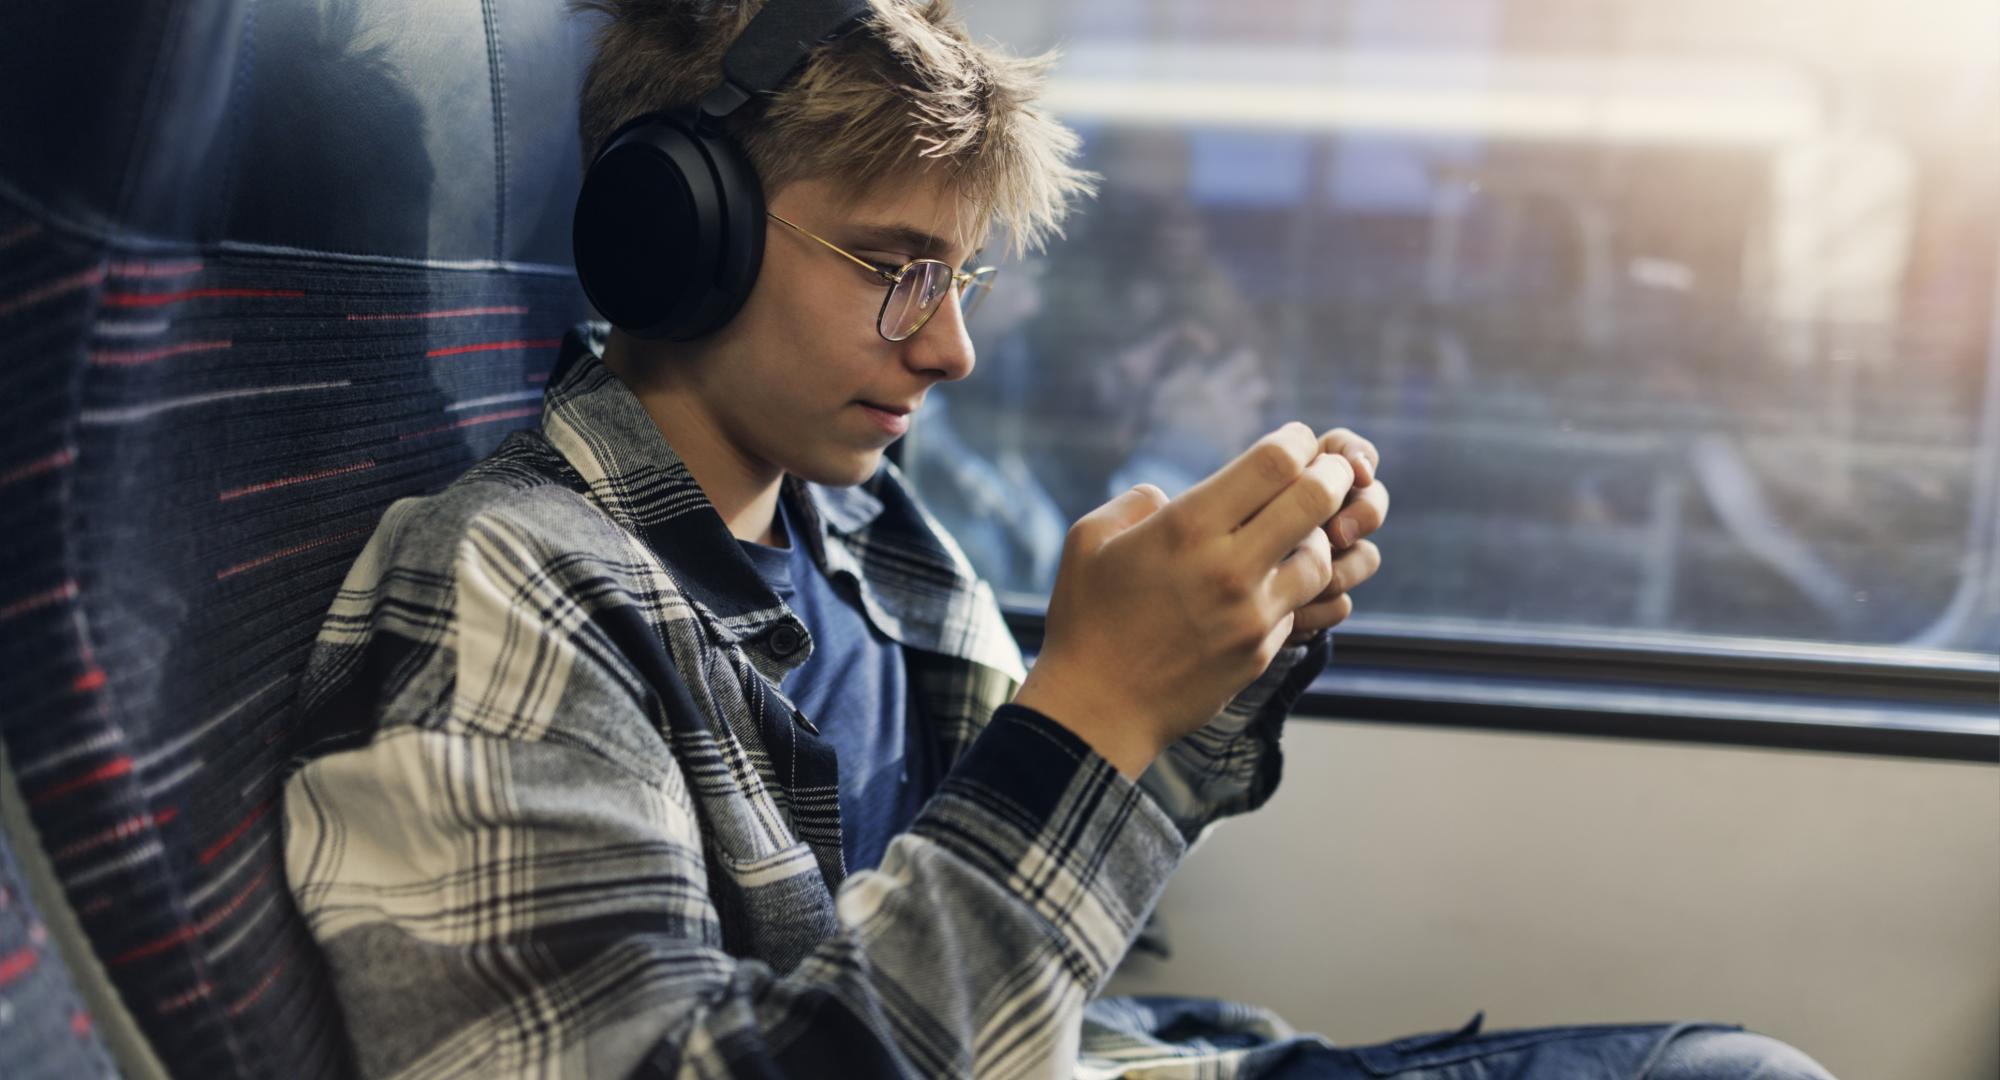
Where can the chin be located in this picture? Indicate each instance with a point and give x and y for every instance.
(839, 470)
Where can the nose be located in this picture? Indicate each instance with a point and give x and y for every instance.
(941, 348)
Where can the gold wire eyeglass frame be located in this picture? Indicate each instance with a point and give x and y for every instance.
(960, 280)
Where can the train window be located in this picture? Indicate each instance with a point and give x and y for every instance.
(1676, 324)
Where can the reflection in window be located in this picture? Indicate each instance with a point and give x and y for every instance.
(1667, 317)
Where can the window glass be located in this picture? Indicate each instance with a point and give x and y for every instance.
(1668, 318)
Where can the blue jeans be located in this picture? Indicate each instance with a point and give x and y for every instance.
(1621, 1051)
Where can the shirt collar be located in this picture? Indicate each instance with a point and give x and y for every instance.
(600, 428)
(606, 435)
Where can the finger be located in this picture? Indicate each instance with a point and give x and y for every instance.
(1235, 492)
(1302, 576)
(1351, 569)
(1279, 637)
(1094, 529)
(1360, 452)
(1304, 507)
(1364, 513)
(1321, 614)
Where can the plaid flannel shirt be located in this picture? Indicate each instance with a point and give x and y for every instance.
(556, 818)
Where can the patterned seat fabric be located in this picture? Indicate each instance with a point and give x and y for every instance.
(46, 1032)
(264, 268)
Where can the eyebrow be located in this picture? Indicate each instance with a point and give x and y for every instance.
(919, 243)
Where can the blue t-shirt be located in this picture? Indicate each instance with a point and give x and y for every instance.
(853, 688)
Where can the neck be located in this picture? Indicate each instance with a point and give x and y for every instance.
(743, 488)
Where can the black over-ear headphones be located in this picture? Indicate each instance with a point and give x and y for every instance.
(669, 229)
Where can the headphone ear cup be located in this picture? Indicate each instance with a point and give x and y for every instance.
(668, 234)
(741, 256)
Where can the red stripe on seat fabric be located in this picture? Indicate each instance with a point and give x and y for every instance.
(59, 287)
(482, 418)
(491, 346)
(18, 963)
(159, 269)
(243, 1004)
(189, 932)
(287, 481)
(135, 357)
(110, 770)
(200, 990)
(264, 560)
(64, 591)
(448, 313)
(61, 459)
(159, 299)
(216, 849)
(160, 945)
(124, 830)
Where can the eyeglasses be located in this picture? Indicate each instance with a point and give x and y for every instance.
(916, 289)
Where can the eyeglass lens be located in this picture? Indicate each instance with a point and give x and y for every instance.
(973, 292)
(913, 299)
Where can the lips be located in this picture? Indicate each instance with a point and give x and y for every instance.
(893, 419)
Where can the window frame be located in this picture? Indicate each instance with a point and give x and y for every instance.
(1786, 695)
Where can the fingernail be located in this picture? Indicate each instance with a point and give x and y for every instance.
(1364, 469)
(1343, 533)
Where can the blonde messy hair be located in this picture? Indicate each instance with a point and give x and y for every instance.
(909, 88)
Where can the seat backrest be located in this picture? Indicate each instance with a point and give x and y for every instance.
(265, 266)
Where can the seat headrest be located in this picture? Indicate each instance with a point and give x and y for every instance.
(436, 131)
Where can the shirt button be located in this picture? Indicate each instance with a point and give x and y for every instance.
(786, 639)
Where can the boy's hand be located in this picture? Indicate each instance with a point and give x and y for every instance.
(1163, 611)
(1355, 559)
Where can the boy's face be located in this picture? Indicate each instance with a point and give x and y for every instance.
(800, 379)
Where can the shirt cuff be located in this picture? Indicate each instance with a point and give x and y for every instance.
(1031, 805)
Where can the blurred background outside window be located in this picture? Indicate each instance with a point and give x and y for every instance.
(1669, 318)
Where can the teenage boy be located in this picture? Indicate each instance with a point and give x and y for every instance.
(676, 738)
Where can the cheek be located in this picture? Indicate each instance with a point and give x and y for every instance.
(807, 346)
(832, 352)
(772, 331)
(789, 385)
(845, 319)
(811, 300)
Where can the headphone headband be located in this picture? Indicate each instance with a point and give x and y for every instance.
(773, 46)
